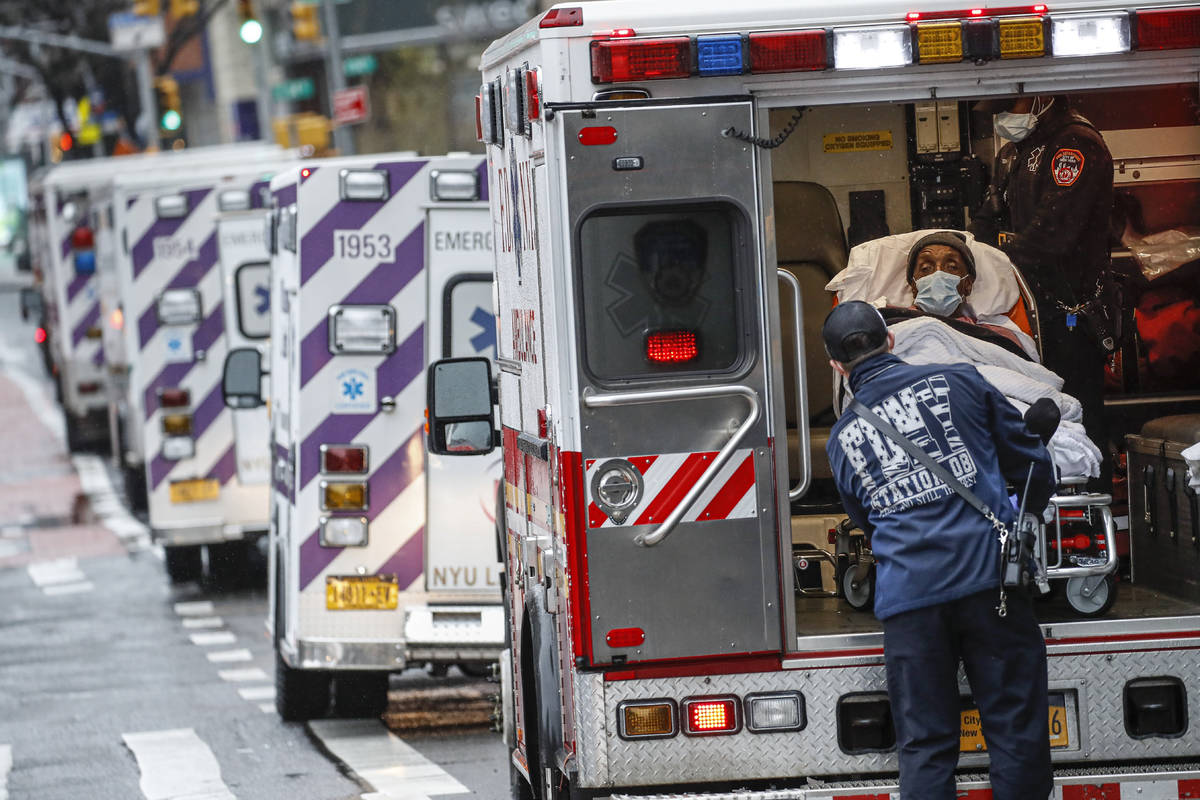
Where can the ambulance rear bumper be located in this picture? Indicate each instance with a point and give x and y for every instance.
(207, 534)
(345, 655)
(454, 633)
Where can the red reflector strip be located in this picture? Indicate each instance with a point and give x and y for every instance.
(344, 459)
(788, 52)
(91, 387)
(1168, 29)
(710, 716)
(625, 637)
(914, 16)
(533, 102)
(598, 134)
(617, 60)
(1071, 513)
(478, 119)
(174, 398)
(562, 18)
(671, 347)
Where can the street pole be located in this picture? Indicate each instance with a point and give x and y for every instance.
(262, 66)
(146, 99)
(334, 76)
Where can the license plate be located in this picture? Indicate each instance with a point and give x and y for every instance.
(362, 593)
(971, 736)
(195, 491)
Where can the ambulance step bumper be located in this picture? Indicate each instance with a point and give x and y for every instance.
(346, 655)
(453, 633)
(207, 534)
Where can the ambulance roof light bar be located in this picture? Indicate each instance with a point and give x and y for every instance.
(1005, 11)
(1168, 28)
(562, 18)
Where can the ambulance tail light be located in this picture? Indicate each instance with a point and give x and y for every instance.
(1168, 28)
(618, 60)
(177, 424)
(647, 719)
(797, 51)
(711, 716)
(174, 398)
(344, 458)
(1089, 34)
(775, 712)
(562, 18)
(338, 496)
(178, 448)
(88, 387)
(671, 347)
(82, 238)
(873, 47)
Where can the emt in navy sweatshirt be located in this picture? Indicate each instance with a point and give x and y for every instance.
(938, 579)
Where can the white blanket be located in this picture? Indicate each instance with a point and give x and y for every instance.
(928, 341)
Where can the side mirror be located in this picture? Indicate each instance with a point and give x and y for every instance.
(461, 419)
(241, 386)
(31, 304)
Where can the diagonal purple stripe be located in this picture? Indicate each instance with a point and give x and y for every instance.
(159, 467)
(285, 196)
(379, 286)
(76, 286)
(194, 271)
(226, 466)
(482, 169)
(130, 202)
(316, 247)
(396, 372)
(207, 412)
(66, 246)
(256, 193)
(408, 562)
(173, 374)
(394, 475)
(143, 250)
(89, 321)
(314, 558)
(98, 356)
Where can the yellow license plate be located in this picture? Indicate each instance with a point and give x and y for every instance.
(971, 736)
(195, 491)
(361, 593)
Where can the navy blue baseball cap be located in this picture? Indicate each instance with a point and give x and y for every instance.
(845, 321)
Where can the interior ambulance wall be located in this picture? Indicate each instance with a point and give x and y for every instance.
(803, 157)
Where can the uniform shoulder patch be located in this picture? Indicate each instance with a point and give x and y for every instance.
(1066, 166)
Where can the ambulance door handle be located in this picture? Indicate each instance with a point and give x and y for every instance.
(805, 454)
(612, 399)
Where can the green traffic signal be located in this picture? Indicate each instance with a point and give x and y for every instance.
(251, 31)
(171, 120)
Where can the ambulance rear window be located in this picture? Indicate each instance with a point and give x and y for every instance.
(253, 284)
(660, 290)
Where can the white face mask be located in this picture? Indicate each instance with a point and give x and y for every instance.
(1013, 127)
(937, 293)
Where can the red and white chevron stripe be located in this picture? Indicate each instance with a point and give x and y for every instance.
(669, 476)
(1132, 788)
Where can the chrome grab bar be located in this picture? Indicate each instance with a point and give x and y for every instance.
(725, 453)
(805, 455)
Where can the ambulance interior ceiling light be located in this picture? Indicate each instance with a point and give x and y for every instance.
(343, 532)
(454, 184)
(172, 206)
(1089, 34)
(178, 448)
(364, 184)
(233, 200)
(362, 329)
(179, 307)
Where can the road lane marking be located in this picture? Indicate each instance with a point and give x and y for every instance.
(5, 768)
(107, 505)
(58, 571)
(203, 622)
(196, 608)
(212, 637)
(257, 693)
(266, 708)
(176, 764)
(380, 758)
(243, 675)
(69, 588)
(225, 656)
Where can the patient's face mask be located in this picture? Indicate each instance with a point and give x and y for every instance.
(937, 293)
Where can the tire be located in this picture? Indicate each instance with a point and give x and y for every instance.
(183, 563)
(360, 694)
(861, 597)
(135, 487)
(77, 442)
(227, 565)
(476, 669)
(300, 695)
(1098, 603)
(517, 785)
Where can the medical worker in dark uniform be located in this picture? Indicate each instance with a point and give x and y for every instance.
(1049, 208)
(938, 582)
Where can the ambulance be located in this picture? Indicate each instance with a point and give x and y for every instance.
(672, 188)
(381, 557)
(204, 491)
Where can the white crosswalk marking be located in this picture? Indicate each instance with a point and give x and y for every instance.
(257, 693)
(5, 768)
(192, 623)
(392, 767)
(60, 576)
(212, 637)
(243, 675)
(175, 765)
(226, 656)
(197, 608)
(70, 588)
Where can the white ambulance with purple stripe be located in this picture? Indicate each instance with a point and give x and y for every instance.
(381, 556)
(175, 427)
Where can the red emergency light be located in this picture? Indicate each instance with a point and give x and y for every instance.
(344, 458)
(1005, 11)
(788, 52)
(82, 238)
(710, 716)
(174, 398)
(618, 60)
(671, 347)
(533, 101)
(1168, 28)
(562, 18)
(39, 335)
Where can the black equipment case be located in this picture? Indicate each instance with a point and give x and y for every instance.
(1164, 520)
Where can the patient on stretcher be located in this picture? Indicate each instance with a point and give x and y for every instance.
(923, 293)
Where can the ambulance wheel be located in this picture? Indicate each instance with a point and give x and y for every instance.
(476, 669)
(361, 694)
(183, 563)
(860, 595)
(1094, 601)
(135, 487)
(519, 788)
(77, 442)
(227, 564)
(300, 694)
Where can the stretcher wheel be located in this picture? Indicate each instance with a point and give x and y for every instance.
(860, 595)
(1089, 598)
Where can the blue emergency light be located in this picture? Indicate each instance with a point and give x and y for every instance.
(719, 55)
(85, 262)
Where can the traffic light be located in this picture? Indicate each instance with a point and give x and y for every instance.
(184, 8)
(251, 30)
(306, 23)
(170, 119)
(147, 8)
